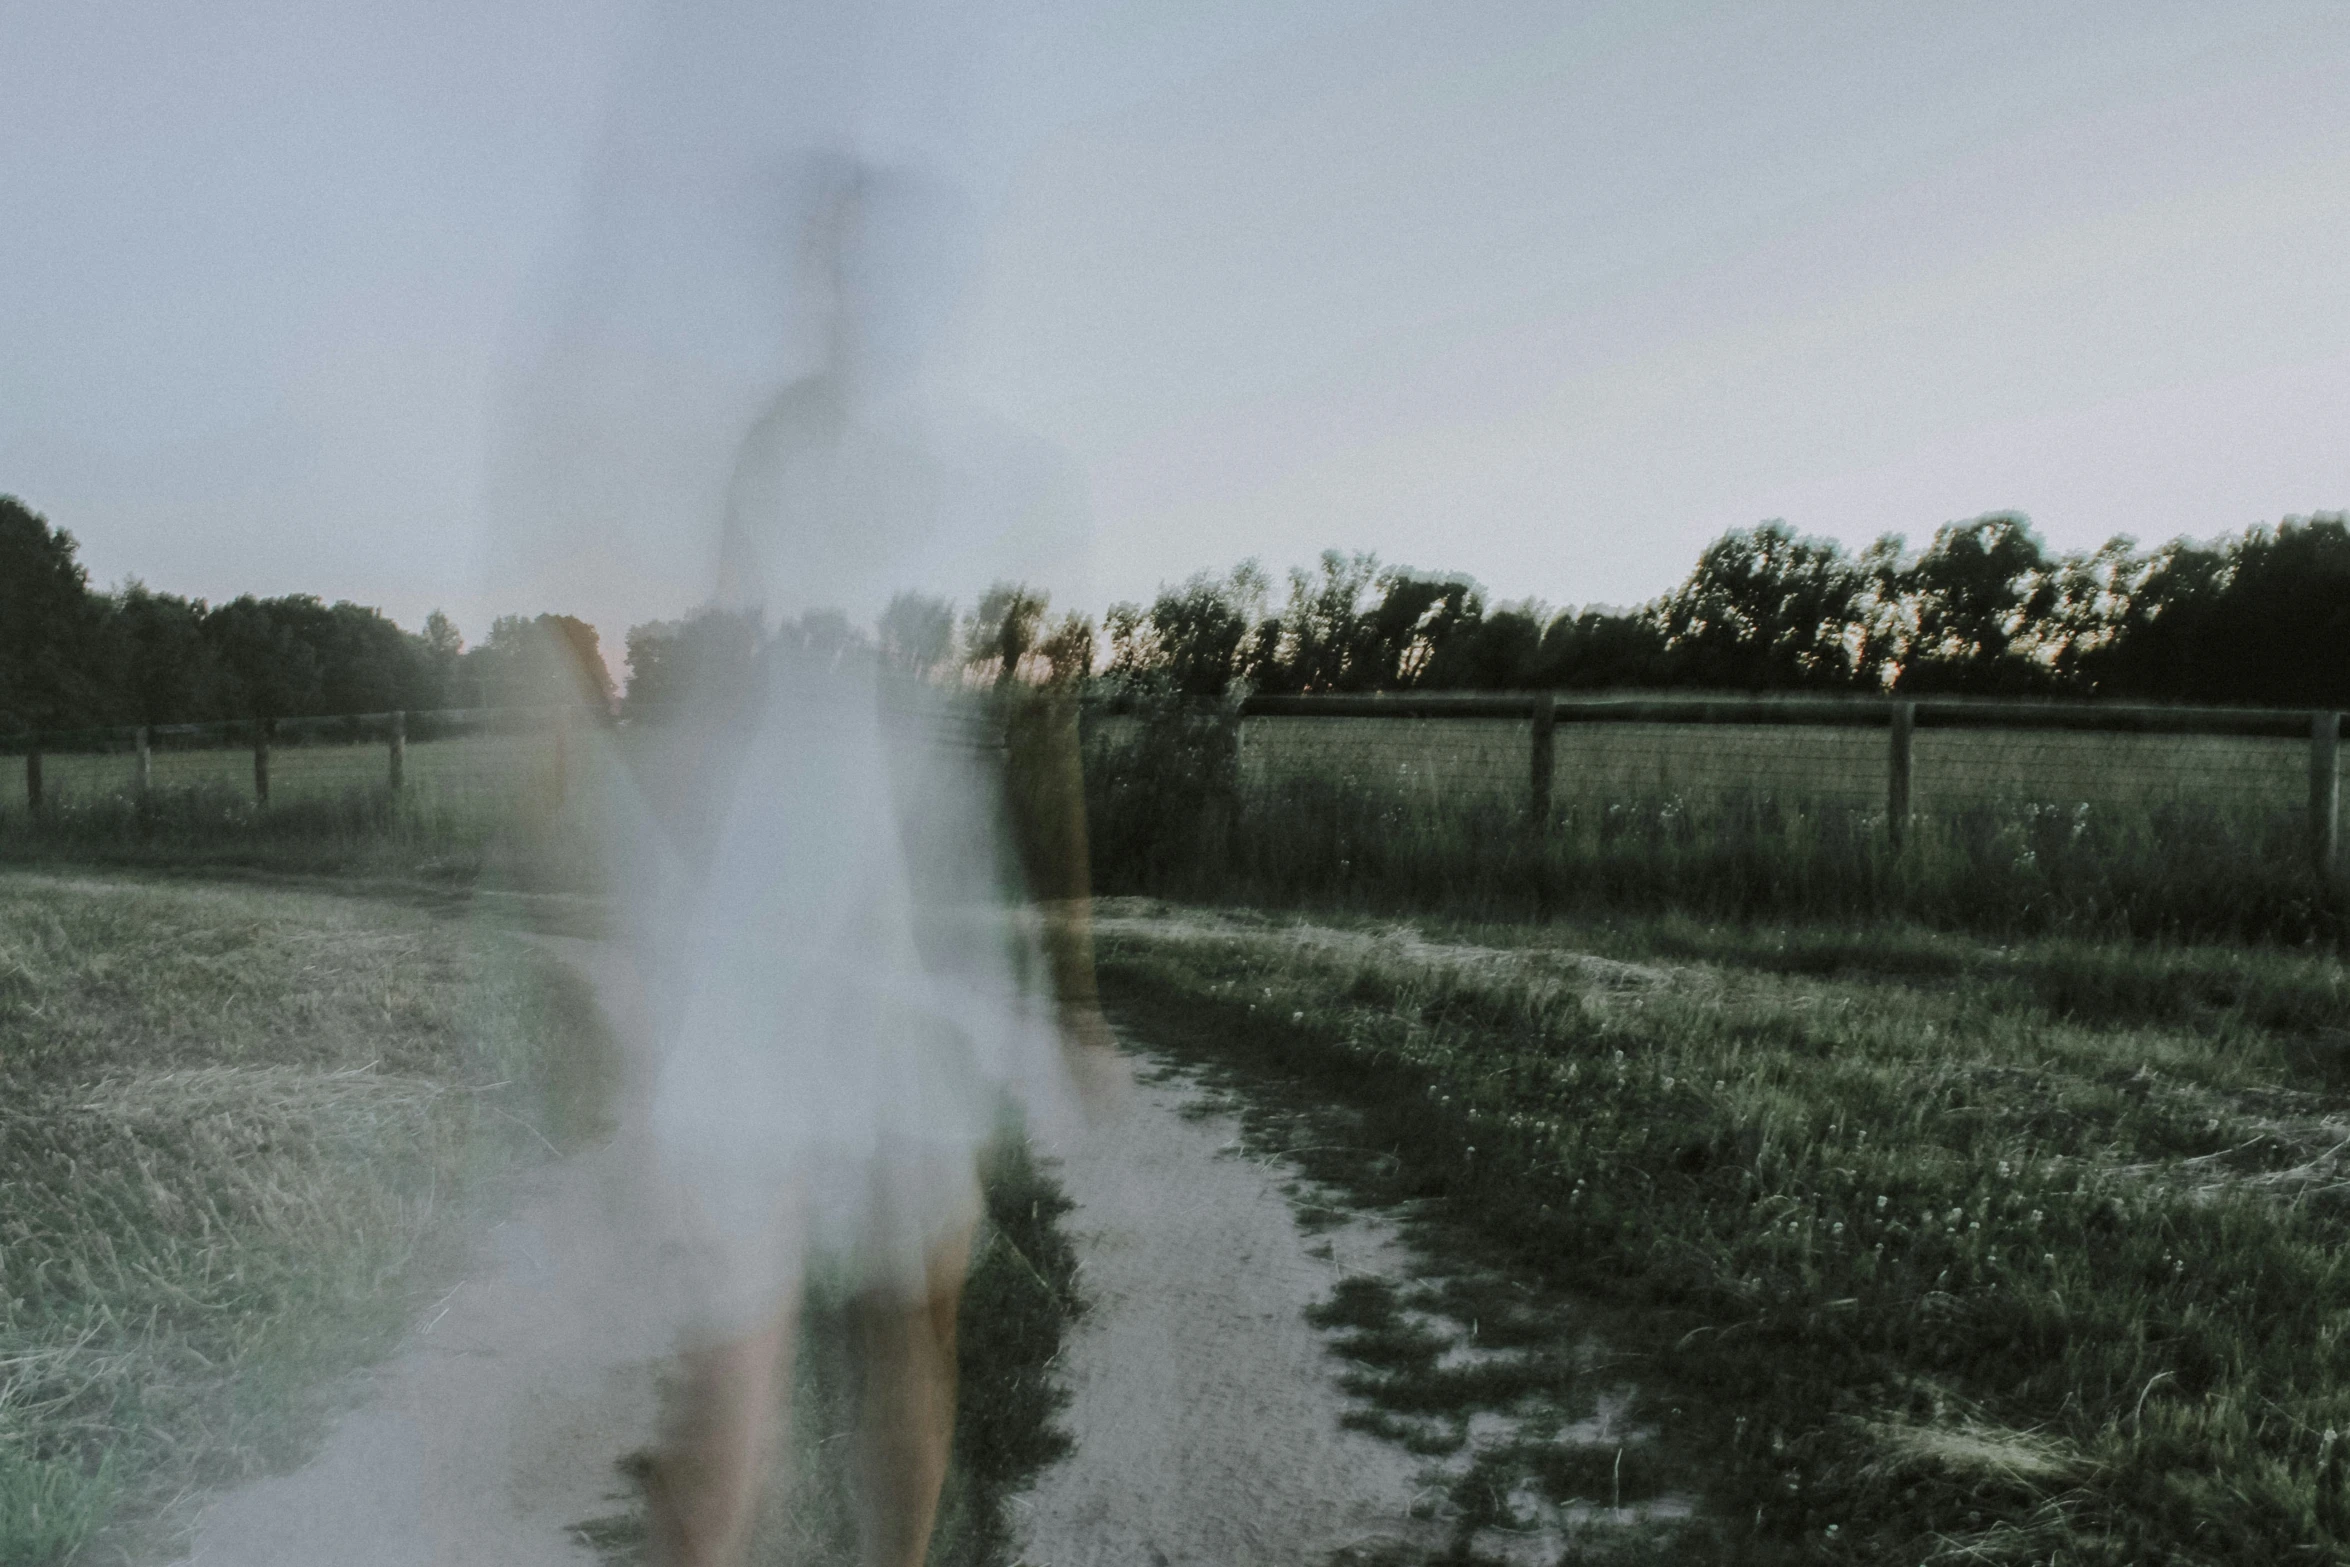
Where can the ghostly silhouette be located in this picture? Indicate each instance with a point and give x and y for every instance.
(871, 934)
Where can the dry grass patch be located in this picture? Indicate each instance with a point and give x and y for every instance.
(239, 1130)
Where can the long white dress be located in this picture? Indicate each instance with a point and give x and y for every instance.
(855, 998)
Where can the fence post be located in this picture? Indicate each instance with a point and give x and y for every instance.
(562, 753)
(144, 776)
(32, 773)
(1904, 720)
(261, 760)
(2325, 793)
(399, 750)
(1544, 751)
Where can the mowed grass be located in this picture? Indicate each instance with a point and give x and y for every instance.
(1935, 1249)
(241, 1132)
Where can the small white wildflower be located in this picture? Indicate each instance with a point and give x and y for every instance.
(1881, 1204)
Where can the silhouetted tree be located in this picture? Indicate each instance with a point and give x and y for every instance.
(917, 633)
(50, 653)
(162, 666)
(1596, 650)
(1197, 637)
(539, 661)
(713, 653)
(1974, 597)
(271, 670)
(1765, 609)
(2262, 618)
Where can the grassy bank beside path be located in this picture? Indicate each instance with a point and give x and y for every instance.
(241, 1131)
(1943, 1250)
(249, 1130)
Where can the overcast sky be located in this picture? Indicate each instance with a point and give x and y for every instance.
(1549, 294)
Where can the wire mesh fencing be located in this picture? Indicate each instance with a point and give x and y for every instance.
(1981, 812)
(1466, 763)
(464, 757)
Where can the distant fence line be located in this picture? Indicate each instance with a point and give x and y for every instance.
(1543, 712)
(392, 730)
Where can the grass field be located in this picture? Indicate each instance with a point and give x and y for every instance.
(485, 767)
(496, 806)
(247, 1131)
(2106, 834)
(2166, 836)
(1924, 1249)
(240, 1132)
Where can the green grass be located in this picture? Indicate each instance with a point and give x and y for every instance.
(481, 809)
(2016, 835)
(1922, 1248)
(2178, 837)
(246, 1131)
(240, 1131)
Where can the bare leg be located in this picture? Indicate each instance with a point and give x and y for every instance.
(703, 1485)
(906, 1425)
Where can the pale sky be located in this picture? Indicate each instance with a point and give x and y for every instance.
(1547, 294)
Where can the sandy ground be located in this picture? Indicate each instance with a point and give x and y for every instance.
(1205, 1412)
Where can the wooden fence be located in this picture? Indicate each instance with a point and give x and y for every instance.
(1544, 712)
(265, 736)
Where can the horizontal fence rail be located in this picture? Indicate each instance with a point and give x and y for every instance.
(1900, 718)
(1544, 714)
(391, 730)
(1811, 712)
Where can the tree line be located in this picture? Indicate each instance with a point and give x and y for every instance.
(2260, 617)
(73, 657)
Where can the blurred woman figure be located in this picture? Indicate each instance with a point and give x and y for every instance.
(873, 936)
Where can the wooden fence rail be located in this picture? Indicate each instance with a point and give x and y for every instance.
(263, 735)
(1543, 711)
(1899, 717)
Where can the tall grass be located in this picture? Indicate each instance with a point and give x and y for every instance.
(1950, 1252)
(237, 1131)
(1175, 809)
(1171, 816)
(473, 808)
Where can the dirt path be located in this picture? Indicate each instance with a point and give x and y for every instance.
(497, 1426)
(1205, 1411)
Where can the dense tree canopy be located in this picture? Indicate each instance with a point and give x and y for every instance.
(2256, 618)
(73, 658)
